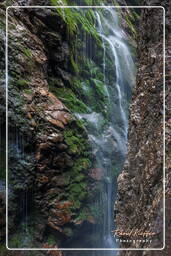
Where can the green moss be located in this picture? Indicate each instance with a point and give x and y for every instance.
(29, 60)
(27, 52)
(66, 14)
(96, 211)
(87, 20)
(75, 143)
(77, 193)
(51, 240)
(130, 23)
(92, 88)
(91, 69)
(75, 18)
(89, 91)
(70, 100)
(27, 91)
(81, 164)
(77, 188)
(79, 178)
(76, 203)
(99, 88)
(68, 231)
(74, 65)
(80, 123)
(22, 83)
(83, 215)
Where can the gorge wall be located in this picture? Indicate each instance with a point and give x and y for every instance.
(140, 185)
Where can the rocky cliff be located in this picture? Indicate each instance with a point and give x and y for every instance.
(140, 186)
(49, 156)
(53, 180)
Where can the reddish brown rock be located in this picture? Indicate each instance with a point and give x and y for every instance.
(52, 253)
(63, 205)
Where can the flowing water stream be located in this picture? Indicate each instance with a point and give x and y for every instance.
(109, 144)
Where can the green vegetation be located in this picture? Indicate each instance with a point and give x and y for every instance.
(96, 211)
(130, 24)
(77, 193)
(75, 18)
(77, 146)
(70, 100)
(132, 18)
(81, 164)
(51, 240)
(83, 215)
(27, 52)
(68, 231)
(78, 189)
(22, 83)
(74, 65)
(75, 142)
(92, 69)
(79, 178)
(66, 14)
(89, 86)
(27, 91)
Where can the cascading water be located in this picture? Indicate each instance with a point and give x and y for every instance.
(109, 143)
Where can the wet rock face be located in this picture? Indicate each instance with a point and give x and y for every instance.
(49, 155)
(140, 186)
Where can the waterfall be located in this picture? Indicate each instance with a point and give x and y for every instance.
(106, 126)
(109, 144)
